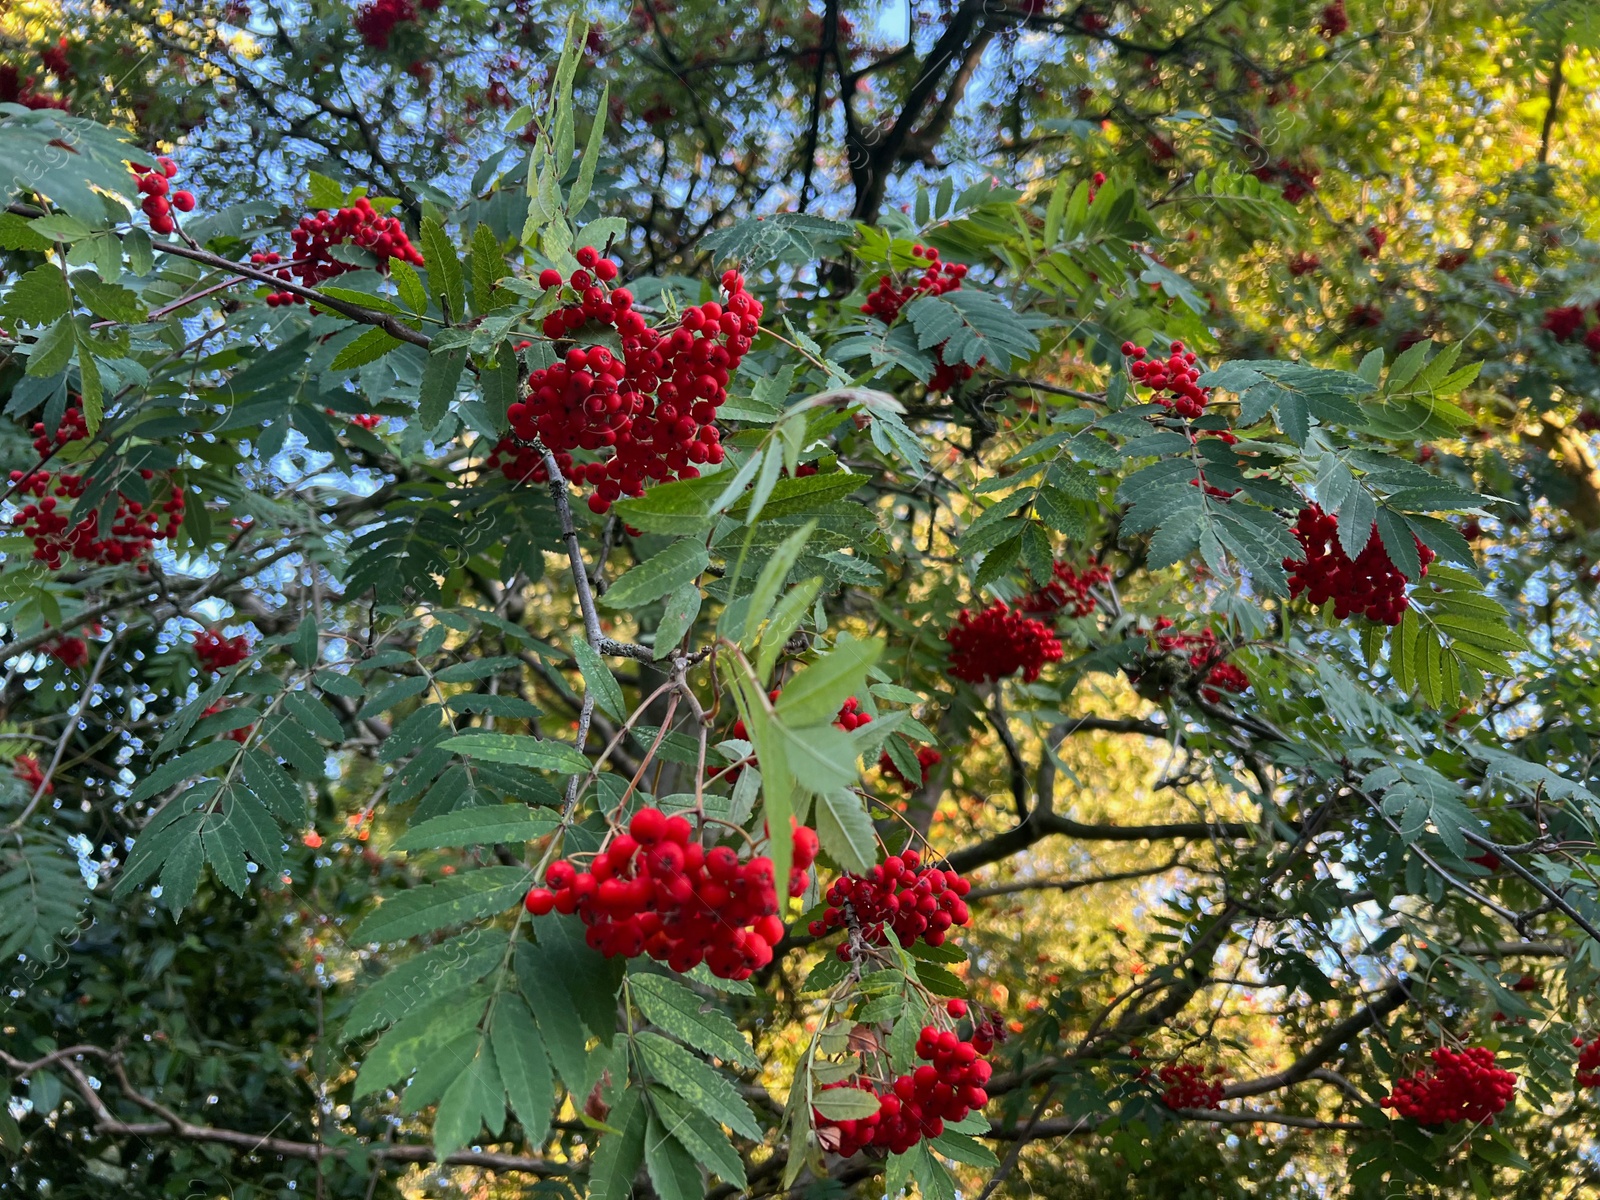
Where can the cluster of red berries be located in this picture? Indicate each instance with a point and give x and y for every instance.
(159, 200)
(361, 420)
(134, 528)
(1364, 316)
(240, 735)
(72, 652)
(654, 891)
(886, 300)
(1588, 1070)
(1067, 593)
(1368, 584)
(15, 89)
(850, 717)
(946, 1086)
(27, 769)
(217, 653)
(1205, 655)
(1333, 21)
(1567, 322)
(1190, 1085)
(1176, 375)
(1303, 264)
(360, 224)
(899, 896)
(653, 408)
(377, 20)
(927, 758)
(998, 642)
(1462, 1085)
(1298, 179)
(1564, 322)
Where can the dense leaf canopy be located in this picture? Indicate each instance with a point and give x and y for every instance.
(1117, 482)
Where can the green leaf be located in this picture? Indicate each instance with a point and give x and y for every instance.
(53, 350)
(15, 234)
(599, 681)
(409, 284)
(461, 898)
(108, 300)
(369, 347)
(488, 264)
(680, 507)
(444, 270)
(541, 755)
(438, 388)
(476, 1099)
(675, 566)
(190, 763)
(821, 758)
(815, 695)
(844, 1104)
(678, 614)
(785, 619)
(409, 1042)
(519, 1054)
(584, 183)
(845, 830)
(710, 1092)
(478, 827)
(673, 1173)
(618, 1157)
(589, 981)
(423, 980)
(699, 1135)
(770, 581)
(676, 1009)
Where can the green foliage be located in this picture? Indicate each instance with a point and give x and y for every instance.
(1222, 827)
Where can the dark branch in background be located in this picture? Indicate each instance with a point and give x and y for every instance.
(1553, 97)
(828, 49)
(1392, 998)
(171, 1125)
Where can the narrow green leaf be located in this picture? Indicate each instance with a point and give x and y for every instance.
(541, 755)
(652, 579)
(673, 1066)
(454, 901)
(599, 681)
(444, 270)
(519, 1054)
(481, 826)
(678, 1010)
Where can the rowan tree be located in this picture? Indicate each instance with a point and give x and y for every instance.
(984, 599)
